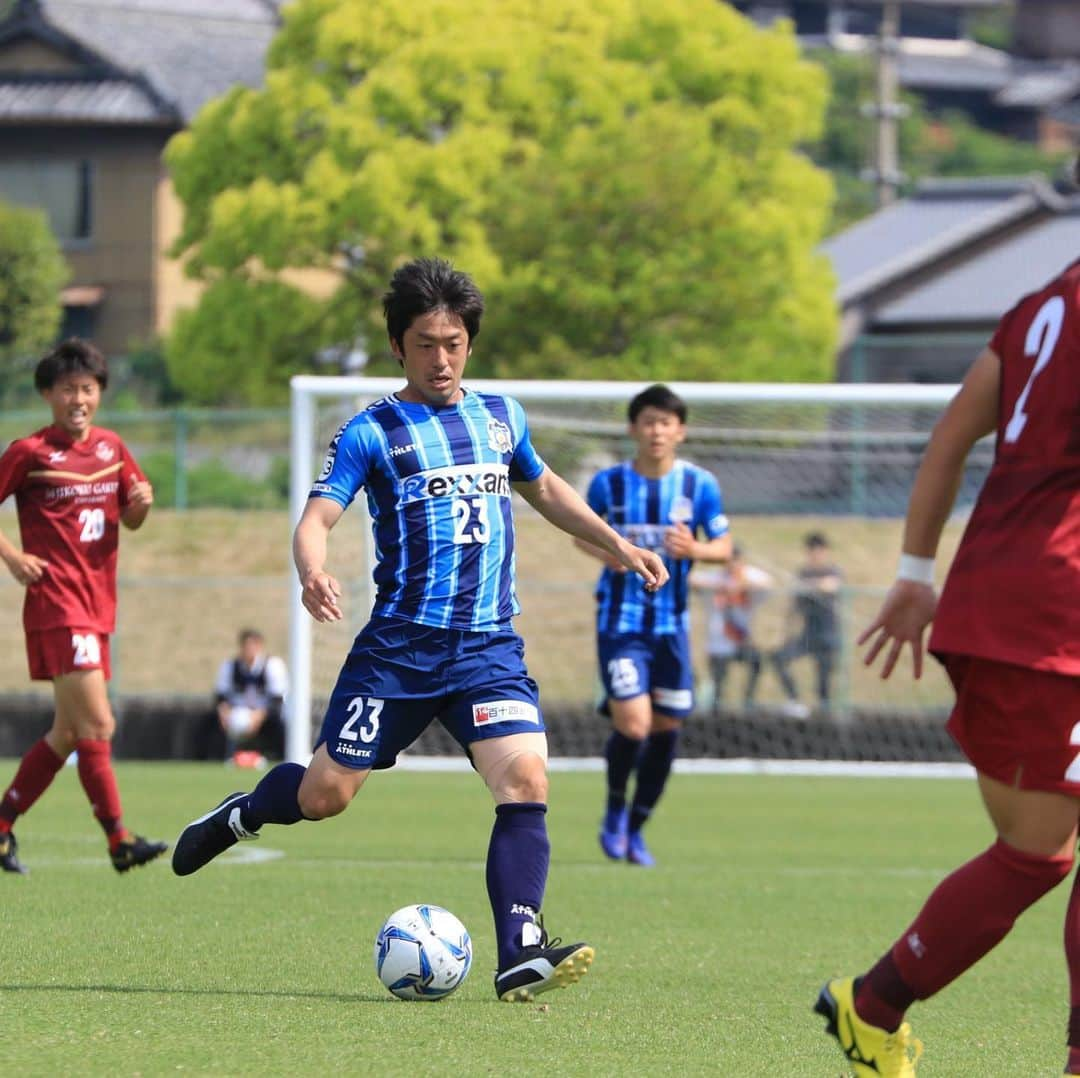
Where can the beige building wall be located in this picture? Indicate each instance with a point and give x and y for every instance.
(174, 291)
(119, 255)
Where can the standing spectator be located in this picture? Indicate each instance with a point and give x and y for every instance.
(674, 508)
(250, 690)
(735, 590)
(74, 485)
(817, 587)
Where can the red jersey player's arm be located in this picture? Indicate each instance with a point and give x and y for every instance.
(140, 497)
(25, 568)
(910, 605)
(972, 414)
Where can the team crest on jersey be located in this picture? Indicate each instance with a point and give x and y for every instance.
(104, 451)
(499, 437)
(57, 456)
(682, 510)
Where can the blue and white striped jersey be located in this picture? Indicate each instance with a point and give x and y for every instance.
(642, 510)
(438, 490)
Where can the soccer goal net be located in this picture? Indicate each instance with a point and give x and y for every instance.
(790, 459)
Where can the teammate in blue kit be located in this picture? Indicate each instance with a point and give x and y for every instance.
(660, 503)
(437, 462)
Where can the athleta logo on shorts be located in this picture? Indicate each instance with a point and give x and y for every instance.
(504, 711)
(456, 481)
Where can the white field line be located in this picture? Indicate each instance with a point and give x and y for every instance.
(740, 766)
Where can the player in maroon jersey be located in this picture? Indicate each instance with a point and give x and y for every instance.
(1007, 629)
(74, 484)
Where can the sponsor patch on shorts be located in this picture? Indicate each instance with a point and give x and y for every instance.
(493, 711)
(677, 699)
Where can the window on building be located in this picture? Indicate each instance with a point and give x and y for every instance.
(62, 187)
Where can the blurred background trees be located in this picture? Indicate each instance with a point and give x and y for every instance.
(623, 180)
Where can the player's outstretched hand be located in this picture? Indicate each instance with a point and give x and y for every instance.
(907, 611)
(647, 564)
(27, 568)
(320, 597)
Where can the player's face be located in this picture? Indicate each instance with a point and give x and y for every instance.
(658, 434)
(74, 400)
(433, 354)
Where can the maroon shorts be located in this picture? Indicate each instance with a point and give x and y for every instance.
(1017, 725)
(53, 652)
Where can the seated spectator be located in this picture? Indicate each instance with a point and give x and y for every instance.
(246, 725)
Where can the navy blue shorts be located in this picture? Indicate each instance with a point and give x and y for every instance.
(400, 676)
(632, 664)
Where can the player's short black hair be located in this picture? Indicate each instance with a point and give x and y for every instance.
(658, 396)
(815, 540)
(73, 356)
(249, 634)
(431, 284)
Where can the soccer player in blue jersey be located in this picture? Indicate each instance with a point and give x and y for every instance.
(660, 503)
(437, 462)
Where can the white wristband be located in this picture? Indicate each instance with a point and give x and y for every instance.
(918, 570)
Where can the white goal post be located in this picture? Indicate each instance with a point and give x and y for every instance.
(775, 416)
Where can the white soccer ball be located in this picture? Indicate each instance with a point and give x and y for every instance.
(422, 952)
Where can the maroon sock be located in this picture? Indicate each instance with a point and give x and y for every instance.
(99, 781)
(37, 769)
(970, 912)
(882, 997)
(1072, 956)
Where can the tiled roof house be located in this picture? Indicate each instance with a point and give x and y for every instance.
(90, 92)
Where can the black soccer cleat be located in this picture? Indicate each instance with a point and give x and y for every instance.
(203, 839)
(541, 967)
(9, 855)
(135, 851)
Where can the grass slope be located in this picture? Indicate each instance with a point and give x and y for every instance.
(190, 580)
(707, 965)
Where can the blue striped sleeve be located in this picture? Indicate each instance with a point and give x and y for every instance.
(345, 469)
(711, 516)
(597, 494)
(525, 464)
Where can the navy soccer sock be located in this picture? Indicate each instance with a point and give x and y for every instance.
(652, 775)
(275, 799)
(517, 868)
(621, 753)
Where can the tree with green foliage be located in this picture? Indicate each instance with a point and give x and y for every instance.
(32, 272)
(930, 145)
(621, 177)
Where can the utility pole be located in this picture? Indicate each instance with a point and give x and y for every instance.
(886, 109)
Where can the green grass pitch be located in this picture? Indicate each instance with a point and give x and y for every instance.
(707, 965)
